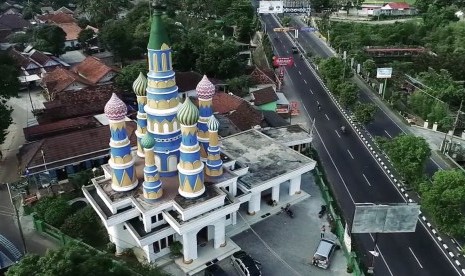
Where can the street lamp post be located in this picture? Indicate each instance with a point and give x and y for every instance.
(23, 240)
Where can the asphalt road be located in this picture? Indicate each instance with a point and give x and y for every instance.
(356, 177)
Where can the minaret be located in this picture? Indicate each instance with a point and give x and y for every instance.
(214, 162)
(190, 166)
(205, 90)
(139, 86)
(162, 99)
(152, 184)
(121, 161)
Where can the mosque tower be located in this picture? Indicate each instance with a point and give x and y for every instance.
(205, 90)
(214, 162)
(139, 86)
(152, 183)
(190, 166)
(162, 98)
(121, 161)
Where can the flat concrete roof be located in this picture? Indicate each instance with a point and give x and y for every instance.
(288, 135)
(266, 158)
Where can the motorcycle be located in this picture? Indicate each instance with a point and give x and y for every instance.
(288, 210)
(272, 202)
(322, 211)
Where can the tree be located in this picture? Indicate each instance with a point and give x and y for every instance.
(239, 86)
(368, 66)
(348, 94)
(85, 36)
(68, 260)
(444, 200)
(103, 10)
(50, 38)
(53, 210)
(9, 87)
(286, 21)
(364, 113)
(130, 73)
(116, 38)
(409, 154)
(85, 225)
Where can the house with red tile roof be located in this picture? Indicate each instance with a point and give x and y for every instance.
(72, 31)
(397, 9)
(60, 80)
(56, 18)
(65, 21)
(95, 71)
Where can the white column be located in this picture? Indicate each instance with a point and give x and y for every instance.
(294, 186)
(189, 247)
(275, 192)
(254, 203)
(148, 250)
(115, 237)
(219, 237)
(233, 188)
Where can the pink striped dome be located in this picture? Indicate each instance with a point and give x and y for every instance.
(115, 109)
(205, 89)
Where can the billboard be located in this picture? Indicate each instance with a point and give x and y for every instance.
(308, 29)
(296, 9)
(385, 218)
(270, 7)
(283, 61)
(384, 73)
(284, 29)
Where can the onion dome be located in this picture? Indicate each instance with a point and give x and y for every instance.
(188, 114)
(140, 85)
(147, 141)
(205, 89)
(115, 109)
(213, 124)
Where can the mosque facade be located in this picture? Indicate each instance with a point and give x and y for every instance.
(182, 184)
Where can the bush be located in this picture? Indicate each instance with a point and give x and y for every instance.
(53, 210)
(176, 249)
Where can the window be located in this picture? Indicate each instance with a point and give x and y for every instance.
(163, 243)
(124, 227)
(228, 216)
(154, 219)
(170, 239)
(156, 247)
(160, 217)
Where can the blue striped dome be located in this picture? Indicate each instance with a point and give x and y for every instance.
(213, 124)
(188, 114)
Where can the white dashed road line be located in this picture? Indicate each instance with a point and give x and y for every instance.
(300, 73)
(326, 115)
(388, 134)
(337, 134)
(350, 154)
(369, 184)
(305, 81)
(411, 251)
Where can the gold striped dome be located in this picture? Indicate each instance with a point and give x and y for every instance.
(188, 114)
(140, 85)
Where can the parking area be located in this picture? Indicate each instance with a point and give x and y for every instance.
(285, 245)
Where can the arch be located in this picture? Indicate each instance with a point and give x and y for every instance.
(155, 62)
(164, 66)
(158, 162)
(172, 162)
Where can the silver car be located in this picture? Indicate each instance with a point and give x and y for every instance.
(324, 252)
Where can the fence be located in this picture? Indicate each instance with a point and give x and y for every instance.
(55, 233)
(337, 224)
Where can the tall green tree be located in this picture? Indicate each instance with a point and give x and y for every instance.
(103, 10)
(368, 66)
(130, 73)
(50, 38)
(86, 226)
(115, 37)
(348, 94)
(9, 87)
(444, 201)
(409, 154)
(364, 112)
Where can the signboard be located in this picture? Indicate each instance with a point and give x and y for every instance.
(388, 218)
(267, 7)
(285, 29)
(308, 29)
(296, 9)
(283, 61)
(294, 108)
(384, 73)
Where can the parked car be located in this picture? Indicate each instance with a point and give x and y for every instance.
(324, 252)
(245, 264)
(215, 270)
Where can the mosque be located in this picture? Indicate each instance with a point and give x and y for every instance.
(184, 183)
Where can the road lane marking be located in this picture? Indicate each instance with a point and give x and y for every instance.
(381, 254)
(388, 134)
(305, 81)
(295, 64)
(300, 73)
(411, 251)
(326, 115)
(337, 134)
(311, 91)
(350, 154)
(337, 170)
(369, 184)
(317, 102)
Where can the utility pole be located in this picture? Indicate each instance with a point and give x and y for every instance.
(453, 128)
(23, 240)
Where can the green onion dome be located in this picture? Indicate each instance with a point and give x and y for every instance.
(147, 141)
(140, 85)
(213, 124)
(188, 114)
